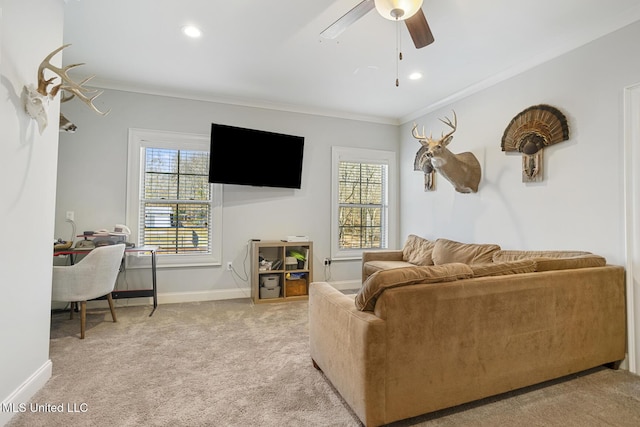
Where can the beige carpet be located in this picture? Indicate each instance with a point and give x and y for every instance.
(229, 363)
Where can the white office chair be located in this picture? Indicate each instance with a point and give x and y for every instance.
(94, 276)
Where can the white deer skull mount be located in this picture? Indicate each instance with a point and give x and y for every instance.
(36, 100)
(36, 106)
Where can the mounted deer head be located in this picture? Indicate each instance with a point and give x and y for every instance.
(36, 100)
(462, 170)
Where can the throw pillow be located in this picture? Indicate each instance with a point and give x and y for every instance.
(447, 251)
(417, 250)
(380, 281)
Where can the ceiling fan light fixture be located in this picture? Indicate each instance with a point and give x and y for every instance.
(397, 10)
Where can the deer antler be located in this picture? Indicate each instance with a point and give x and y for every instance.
(453, 126)
(415, 134)
(66, 84)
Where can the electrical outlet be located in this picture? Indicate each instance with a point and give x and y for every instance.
(70, 215)
(327, 261)
(229, 265)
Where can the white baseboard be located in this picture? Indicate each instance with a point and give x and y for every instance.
(11, 405)
(214, 295)
(176, 297)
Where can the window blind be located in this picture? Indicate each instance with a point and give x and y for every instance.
(175, 201)
(362, 205)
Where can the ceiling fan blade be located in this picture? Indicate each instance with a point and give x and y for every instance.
(419, 30)
(335, 29)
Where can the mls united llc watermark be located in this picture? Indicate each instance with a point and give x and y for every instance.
(45, 407)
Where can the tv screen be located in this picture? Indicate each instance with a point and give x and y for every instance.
(254, 157)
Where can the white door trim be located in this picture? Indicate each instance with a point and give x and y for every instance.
(632, 221)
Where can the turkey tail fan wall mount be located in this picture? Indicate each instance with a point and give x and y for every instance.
(416, 23)
(530, 132)
(535, 128)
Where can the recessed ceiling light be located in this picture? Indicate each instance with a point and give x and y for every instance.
(192, 31)
(415, 76)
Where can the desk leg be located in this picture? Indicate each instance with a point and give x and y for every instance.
(153, 280)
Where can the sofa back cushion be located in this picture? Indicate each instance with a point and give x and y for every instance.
(513, 255)
(582, 261)
(553, 260)
(447, 251)
(418, 250)
(380, 281)
(504, 268)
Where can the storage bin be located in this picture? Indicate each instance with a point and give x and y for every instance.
(291, 263)
(269, 281)
(269, 286)
(295, 287)
(266, 293)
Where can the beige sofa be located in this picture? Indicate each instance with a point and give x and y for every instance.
(419, 338)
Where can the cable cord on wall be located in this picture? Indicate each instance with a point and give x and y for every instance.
(327, 273)
(234, 274)
(244, 267)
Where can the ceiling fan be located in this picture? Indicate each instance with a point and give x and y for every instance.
(409, 11)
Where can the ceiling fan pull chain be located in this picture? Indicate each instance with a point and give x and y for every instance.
(398, 52)
(399, 31)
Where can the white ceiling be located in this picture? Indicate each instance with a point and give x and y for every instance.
(269, 53)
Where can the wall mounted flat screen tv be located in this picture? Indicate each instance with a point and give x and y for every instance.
(254, 157)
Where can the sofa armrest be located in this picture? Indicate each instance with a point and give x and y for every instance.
(349, 346)
(385, 255)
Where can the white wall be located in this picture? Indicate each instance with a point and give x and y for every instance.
(29, 30)
(579, 205)
(92, 181)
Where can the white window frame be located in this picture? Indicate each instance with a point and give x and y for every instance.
(140, 139)
(363, 155)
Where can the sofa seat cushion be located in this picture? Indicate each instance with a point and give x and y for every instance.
(379, 281)
(418, 250)
(448, 251)
(504, 268)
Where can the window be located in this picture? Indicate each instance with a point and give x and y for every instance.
(171, 204)
(361, 201)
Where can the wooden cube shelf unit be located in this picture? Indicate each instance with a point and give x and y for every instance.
(275, 280)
